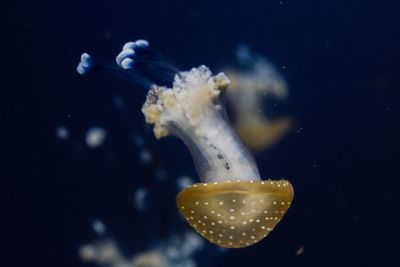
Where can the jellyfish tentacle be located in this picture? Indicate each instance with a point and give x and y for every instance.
(85, 63)
(123, 55)
(134, 58)
(139, 53)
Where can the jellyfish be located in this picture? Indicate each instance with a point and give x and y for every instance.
(175, 251)
(255, 80)
(232, 206)
(106, 253)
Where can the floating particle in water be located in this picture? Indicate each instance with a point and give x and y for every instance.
(62, 133)
(98, 227)
(95, 137)
(299, 130)
(107, 34)
(300, 251)
(139, 199)
(223, 250)
(145, 156)
(184, 181)
(161, 174)
(118, 101)
(138, 140)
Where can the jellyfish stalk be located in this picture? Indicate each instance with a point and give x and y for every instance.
(193, 111)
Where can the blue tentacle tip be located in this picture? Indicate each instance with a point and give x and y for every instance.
(86, 60)
(142, 43)
(127, 63)
(126, 53)
(85, 64)
(80, 69)
(137, 44)
(129, 45)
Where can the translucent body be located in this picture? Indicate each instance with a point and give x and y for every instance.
(260, 133)
(250, 86)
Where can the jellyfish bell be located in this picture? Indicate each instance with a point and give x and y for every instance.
(231, 207)
(235, 214)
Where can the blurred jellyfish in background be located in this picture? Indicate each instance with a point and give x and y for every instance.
(145, 156)
(177, 251)
(254, 81)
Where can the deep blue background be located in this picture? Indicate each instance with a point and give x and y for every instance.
(342, 64)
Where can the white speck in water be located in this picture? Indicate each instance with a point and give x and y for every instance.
(98, 227)
(95, 137)
(140, 198)
(118, 101)
(145, 156)
(62, 133)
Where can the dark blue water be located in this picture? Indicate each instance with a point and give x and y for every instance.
(340, 58)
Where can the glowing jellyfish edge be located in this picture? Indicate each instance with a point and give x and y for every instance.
(193, 110)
